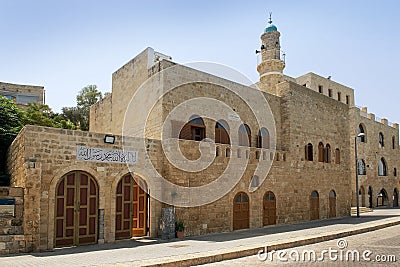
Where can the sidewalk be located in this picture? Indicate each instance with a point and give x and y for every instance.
(208, 248)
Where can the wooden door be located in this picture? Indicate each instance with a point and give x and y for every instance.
(269, 209)
(131, 208)
(241, 211)
(139, 210)
(332, 204)
(314, 206)
(76, 220)
(124, 198)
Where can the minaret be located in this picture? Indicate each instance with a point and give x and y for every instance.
(271, 65)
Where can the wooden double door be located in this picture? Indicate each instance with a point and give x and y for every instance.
(132, 202)
(241, 211)
(76, 211)
(269, 207)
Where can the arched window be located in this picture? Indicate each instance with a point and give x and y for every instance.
(263, 138)
(361, 130)
(222, 132)
(337, 156)
(382, 169)
(393, 142)
(361, 167)
(244, 135)
(309, 152)
(327, 154)
(254, 181)
(321, 152)
(381, 140)
(194, 129)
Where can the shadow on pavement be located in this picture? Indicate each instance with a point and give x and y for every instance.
(227, 236)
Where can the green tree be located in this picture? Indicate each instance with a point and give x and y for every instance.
(13, 118)
(11, 122)
(79, 115)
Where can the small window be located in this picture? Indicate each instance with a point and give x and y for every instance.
(309, 152)
(244, 135)
(361, 130)
(321, 152)
(339, 96)
(382, 170)
(337, 156)
(347, 99)
(395, 172)
(257, 154)
(314, 194)
(327, 154)
(217, 151)
(393, 142)
(263, 138)
(320, 89)
(361, 167)
(247, 154)
(381, 140)
(254, 181)
(264, 155)
(330, 92)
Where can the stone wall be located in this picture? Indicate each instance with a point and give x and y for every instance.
(371, 152)
(12, 237)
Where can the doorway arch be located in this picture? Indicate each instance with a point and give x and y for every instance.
(382, 199)
(76, 210)
(332, 204)
(314, 205)
(131, 207)
(269, 209)
(241, 211)
(395, 197)
(370, 196)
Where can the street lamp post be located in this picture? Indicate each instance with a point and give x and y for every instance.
(357, 189)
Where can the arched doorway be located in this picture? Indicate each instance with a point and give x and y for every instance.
(370, 194)
(382, 199)
(76, 214)
(314, 206)
(395, 197)
(131, 207)
(241, 211)
(361, 194)
(269, 206)
(332, 204)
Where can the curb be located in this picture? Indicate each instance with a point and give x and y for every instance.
(238, 252)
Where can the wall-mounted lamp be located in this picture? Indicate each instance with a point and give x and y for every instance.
(109, 139)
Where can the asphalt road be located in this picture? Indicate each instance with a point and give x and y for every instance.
(376, 248)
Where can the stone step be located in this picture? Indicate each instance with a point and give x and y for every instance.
(362, 210)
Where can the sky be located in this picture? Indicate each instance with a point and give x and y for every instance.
(66, 45)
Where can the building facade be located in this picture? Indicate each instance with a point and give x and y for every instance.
(105, 184)
(22, 95)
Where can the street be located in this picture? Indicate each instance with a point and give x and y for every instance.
(376, 248)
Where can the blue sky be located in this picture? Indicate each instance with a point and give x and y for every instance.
(66, 45)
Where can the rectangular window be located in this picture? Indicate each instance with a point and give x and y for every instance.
(330, 92)
(347, 100)
(339, 96)
(320, 89)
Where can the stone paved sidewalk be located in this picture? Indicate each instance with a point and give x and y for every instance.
(208, 248)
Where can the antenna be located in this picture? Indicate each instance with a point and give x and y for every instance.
(270, 18)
